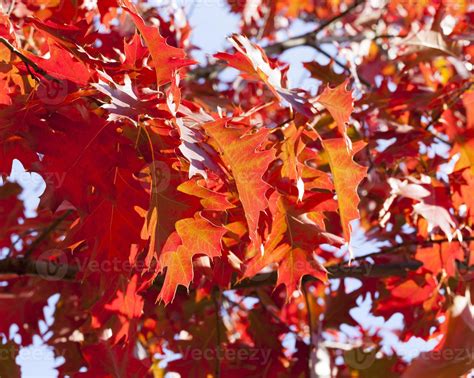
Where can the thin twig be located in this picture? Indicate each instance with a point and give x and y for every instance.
(437, 114)
(338, 271)
(37, 268)
(20, 266)
(311, 37)
(306, 39)
(11, 7)
(45, 233)
(422, 243)
(28, 62)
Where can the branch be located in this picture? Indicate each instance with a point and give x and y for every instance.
(45, 233)
(48, 270)
(311, 37)
(454, 97)
(422, 243)
(27, 61)
(309, 317)
(58, 271)
(215, 299)
(307, 39)
(363, 271)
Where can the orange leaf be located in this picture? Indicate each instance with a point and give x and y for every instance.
(239, 152)
(192, 237)
(452, 357)
(339, 103)
(127, 305)
(294, 266)
(293, 254)
(347, 175)
(252, 60)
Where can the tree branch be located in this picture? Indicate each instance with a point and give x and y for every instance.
(45, 233)
(310, 327)
(27, 61)
(39, 268)
(453, 98)
(420, 243)
(364, 270)
(311, 37)
(217, 307)
(307, 39)
(55, 271)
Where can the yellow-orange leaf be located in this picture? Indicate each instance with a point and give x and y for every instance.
(248, 165)
(347, 176)
(296, 264)
(338, 101)
(194, 236)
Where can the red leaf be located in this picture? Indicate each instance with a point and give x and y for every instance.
(61, 65)
(166, 59)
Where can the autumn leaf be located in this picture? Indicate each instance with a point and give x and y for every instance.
(210, 199)
(61, 65)
(4, 92)
(129, 172)
(192, 136)
(294, 255)
(339, 103)
(166, 206)
(347, 175)
(134, 51)
(193, 237)
(116, 360)
(240, 152)
(253, 62)
(430, 39)
(112, 225)
(452, 356)
(166, 59)
(296, 264)
(128, 305)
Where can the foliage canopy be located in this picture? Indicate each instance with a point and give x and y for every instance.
(209, 211)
